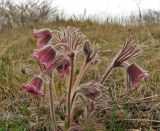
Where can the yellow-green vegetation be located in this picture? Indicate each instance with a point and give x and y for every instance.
(134, 108)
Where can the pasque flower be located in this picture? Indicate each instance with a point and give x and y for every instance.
(136, 73)
(64, 67)
(45, 56)
(34, 86)
(43, 36)
(90, 90)
(70, 41)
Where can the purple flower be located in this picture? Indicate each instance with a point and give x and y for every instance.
(64, 67)
(34, 86)
(45, 56)
(136, 73)
(43, 36)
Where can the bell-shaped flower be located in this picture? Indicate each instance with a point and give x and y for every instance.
(64, 67)
(34, 86)
(90, 90)
(43, 36)
(45, 56)
(136, 73)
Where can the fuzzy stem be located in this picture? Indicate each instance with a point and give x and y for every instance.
(73, 97)
(128, 84)
(43, 99)
(82, 70)
(40, 66)
(78, 79)
(70, 90)
(44, 91)
(52, 108)
(106, 74)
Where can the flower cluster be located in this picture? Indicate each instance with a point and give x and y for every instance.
(48, 59)
(67, 44)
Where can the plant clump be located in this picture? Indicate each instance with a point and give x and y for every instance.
(58, 50)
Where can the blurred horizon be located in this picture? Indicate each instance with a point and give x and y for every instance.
(122, 11)
(113, 8)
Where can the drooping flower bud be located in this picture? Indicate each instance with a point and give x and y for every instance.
(43, 36)
(136, 73)
(90, 90)
(34, 86)
(89, 51)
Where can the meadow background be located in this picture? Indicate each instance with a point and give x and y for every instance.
(130, 109)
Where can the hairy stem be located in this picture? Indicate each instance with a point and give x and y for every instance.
(44, 91)
(73, 97)
(70, 90)
(52, 108)
(82, 70)
(78, 79)
(106, 74)
(41, 69)
(127, 81)
(40, 66)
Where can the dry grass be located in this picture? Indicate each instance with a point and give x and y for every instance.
(137, 108)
